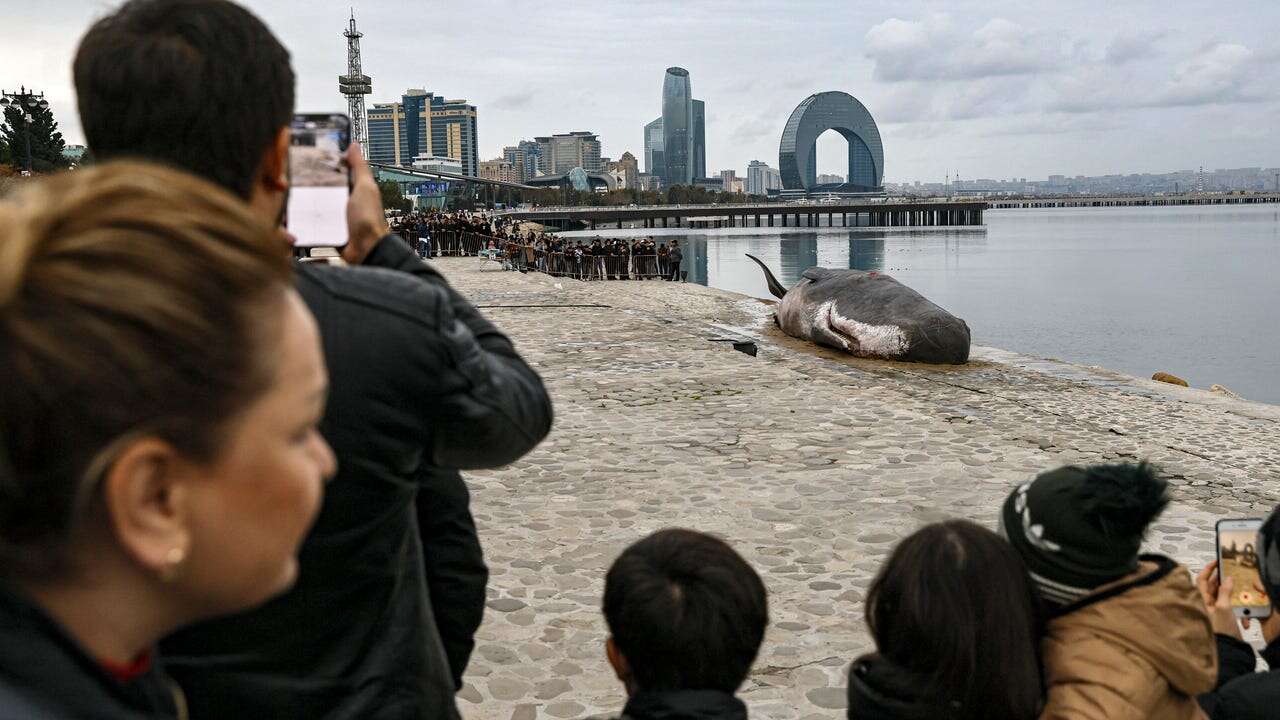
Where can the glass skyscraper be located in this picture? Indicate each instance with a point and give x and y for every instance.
(653, 157)
(699, 139)
(677, 128)
(843, 113)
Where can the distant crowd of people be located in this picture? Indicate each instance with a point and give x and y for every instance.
(599, 258)
(230, 487)
(434, 233)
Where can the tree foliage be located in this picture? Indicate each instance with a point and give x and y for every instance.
(46, 141)
(392, 197)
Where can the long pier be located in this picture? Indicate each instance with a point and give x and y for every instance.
(1135, 201)
(863, 213)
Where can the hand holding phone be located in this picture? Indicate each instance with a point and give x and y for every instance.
(1237, 542)
(319, 180)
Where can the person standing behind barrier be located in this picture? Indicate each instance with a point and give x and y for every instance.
(424, 237)
(674, 258)
(965, 649)
(160, 461)
(1128, 636)
(422, 383)
(686, 617)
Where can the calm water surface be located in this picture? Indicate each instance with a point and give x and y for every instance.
(1193, 291)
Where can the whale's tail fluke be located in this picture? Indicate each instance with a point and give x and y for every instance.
(775, 287)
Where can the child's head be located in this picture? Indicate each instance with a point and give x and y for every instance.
(1079, 528)
(685, 612)
(954, 607)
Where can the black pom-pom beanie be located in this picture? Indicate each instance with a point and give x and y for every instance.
(1078, 529)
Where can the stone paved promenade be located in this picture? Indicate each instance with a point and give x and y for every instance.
(810, 463)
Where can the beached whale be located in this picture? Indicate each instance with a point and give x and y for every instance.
(868, 314)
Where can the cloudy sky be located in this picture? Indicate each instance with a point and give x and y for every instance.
(996, 89)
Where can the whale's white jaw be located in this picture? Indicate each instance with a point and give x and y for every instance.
(857, 338)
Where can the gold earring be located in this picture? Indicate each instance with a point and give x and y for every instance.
(173, 561)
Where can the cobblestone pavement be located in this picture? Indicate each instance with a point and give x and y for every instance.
(811, 463)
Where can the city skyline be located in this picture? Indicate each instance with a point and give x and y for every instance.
(991, 90)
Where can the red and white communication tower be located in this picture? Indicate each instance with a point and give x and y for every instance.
(355, 84)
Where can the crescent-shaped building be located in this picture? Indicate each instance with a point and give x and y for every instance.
(839, 111)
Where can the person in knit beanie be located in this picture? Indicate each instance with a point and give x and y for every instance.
(1128, 635)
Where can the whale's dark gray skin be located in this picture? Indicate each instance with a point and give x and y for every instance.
(868, 314)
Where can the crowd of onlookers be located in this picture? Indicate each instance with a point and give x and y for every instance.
(229, 483)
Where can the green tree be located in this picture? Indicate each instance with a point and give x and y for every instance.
(46, 142)
(392, 198)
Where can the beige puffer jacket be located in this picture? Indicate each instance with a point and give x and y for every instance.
(1139, 648)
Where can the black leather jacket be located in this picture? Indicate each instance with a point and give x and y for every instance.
(417, 379)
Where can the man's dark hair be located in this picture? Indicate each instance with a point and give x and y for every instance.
(202, 85)
(686, 611)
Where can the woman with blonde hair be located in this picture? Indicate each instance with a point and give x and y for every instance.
(159, 456)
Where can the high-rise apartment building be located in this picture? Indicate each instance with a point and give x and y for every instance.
(677, 127)
(526, 158)
(423, 123)
(653, 156)
(830, 179)
(730, 182)
(699, 139)
(564, 152)
(761, 178)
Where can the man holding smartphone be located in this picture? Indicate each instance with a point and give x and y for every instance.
(1241, 693)
(421, 384)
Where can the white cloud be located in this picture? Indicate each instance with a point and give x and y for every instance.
(1128, 46)
(934, 49)
(1218, 73)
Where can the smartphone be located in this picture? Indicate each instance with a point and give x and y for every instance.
(1238, 559)
(319, 180)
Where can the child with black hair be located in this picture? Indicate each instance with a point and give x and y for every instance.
(1128, 635)
(686, 617)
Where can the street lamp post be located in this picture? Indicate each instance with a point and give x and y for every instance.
(25, 101)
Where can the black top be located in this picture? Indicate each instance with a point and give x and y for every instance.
(44, 673)
(1241, 693)
(882, 690)
(684, 705)
(418, 379)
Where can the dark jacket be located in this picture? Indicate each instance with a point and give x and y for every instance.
(46, 675)
(453, 560)
(882, 690)
(417, 379)
(1242, 693)
(684, 705)
(454, 563)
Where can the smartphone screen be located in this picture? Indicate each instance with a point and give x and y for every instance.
(318, 180)
(1238, 559)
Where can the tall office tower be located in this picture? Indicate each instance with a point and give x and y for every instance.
(454, 132)
(566, 151)
(423, 124)
(355, 85)
(699, 139)
(653, 156)
(677, 128)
